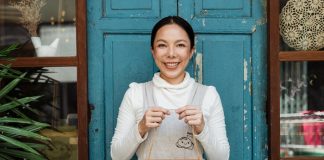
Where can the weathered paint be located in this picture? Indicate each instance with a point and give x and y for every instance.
(250, 87)
(96, 94)
(253, 29)
(259, 80)
(204, 22)
(261, 21)
(245, 70)
(198, 68)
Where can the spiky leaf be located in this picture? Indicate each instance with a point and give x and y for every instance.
(20, 114)
(5, 52)
(23, 121)
(32, 145)
(17, 103)
(18, 144)
(6, 157)
(22, 154)
(22, 132)
(10, 86)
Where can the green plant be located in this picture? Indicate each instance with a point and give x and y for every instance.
(18, 132)
(4, 53)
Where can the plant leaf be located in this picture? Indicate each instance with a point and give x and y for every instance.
(3, 72)
(23, 121)
(10, 70)
(17, 103)
(32, 128)
(4, 52)
(22, 115)
(6, 157)
(18, 144)
(26, 106)
(10, 86)
(22, 154)
(33, 145)
(11, 76)
(22, 132)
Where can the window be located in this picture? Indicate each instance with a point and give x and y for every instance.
(56, 44)
(296, 82)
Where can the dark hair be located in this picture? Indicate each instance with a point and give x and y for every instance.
(174, 20)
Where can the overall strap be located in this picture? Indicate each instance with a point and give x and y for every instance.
(197, 99)
(149, 99)
(192, 94)
(199, 95)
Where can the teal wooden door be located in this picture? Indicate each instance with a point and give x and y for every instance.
(231, 55)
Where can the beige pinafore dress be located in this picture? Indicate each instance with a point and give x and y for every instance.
(174, 139)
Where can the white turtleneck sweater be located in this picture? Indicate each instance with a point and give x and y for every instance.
(127, 139)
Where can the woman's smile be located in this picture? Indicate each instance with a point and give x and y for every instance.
(171, 65)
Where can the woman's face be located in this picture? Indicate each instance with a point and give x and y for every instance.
(171, 52)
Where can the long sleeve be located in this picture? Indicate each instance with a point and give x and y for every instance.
(213, 137)
(127, 138)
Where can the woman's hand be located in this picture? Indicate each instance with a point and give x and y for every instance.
(192, 116)
(152, 118)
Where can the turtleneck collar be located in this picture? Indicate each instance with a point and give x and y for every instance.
(161, 83)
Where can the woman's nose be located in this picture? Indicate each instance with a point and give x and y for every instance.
(171, 52)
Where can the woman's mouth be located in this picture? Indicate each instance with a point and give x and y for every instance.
(171, 65)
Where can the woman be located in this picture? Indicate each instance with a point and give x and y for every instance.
(171, 116)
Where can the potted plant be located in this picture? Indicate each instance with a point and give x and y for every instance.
(30, 11)
(19, 137)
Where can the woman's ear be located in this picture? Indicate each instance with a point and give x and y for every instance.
(152, 52)
(192, 52)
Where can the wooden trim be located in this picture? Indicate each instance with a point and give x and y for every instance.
(42, 61)
(82, 86)
(79, 61)
(275, 57)
(274, 81)
(301, 56)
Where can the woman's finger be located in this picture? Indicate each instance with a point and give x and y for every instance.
(189, 112)
(156, 114)
(192, 117)
(152, 125)
(154, 119)
(184, 108)
(195, 122)
(160, 109)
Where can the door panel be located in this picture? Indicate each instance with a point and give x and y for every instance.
(231, 40)
(128, 16)
(226, 64)
(222, 8)
(127, 59)
(207, 16)
(131, 8)
(119, 43)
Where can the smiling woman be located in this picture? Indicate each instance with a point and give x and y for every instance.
(172, 52)
(168, 117)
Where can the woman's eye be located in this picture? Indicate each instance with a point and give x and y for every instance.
(161, 45)
(181, 45)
